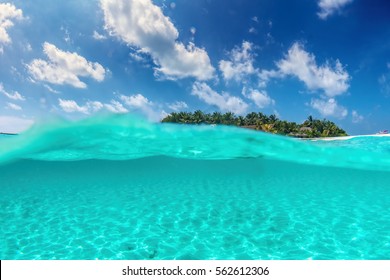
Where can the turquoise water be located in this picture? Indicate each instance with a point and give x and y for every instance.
(117, 187)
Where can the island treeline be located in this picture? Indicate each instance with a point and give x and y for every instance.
(310, 128)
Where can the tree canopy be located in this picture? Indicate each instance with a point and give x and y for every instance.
(310, 128)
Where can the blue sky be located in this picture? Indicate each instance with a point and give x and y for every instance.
(73, 59)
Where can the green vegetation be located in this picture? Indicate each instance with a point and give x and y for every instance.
(310, 128)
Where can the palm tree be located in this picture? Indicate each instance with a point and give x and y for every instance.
(309, 128)
(216, 118)
(308, 122)
(263, 118)
(240, 121)
(198, 117)
(251, 118)
(272, 118)
(228, 118)
(184, 117)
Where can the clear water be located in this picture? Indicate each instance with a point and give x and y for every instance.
(117, 187)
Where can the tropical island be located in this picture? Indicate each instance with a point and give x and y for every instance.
(310, 128)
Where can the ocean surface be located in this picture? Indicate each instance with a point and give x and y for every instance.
(119, 187)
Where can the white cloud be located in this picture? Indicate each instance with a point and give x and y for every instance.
(178, 106)
(49, 88)
(139, 56)
(141, 24)
(12, 124)
(266, 75)
(224, 101)
(64, 68)
(136, 101)
(94, 106)
(67, 38)
(255, 19)
(13, 106)
(115, 107)
(240, 63)
(356, 118)
(14, 96)
(98, 36)
(261, 99)
(71, 106)
(141, 104)
(329, 108)
(252, 30)
(301, 64)
(8, 13)
(329, 7)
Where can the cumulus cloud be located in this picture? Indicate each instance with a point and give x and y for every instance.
(261, 99)
(225, 102)
(115, 107)
(329, 7)
(356, 118)
(240, 63)
(8, 14)
(178, 106)
(329, 108)
(71, 106)
(64, 68)
(299, 63)
(141, 104)
(12, 124)
(136, 101)
(14, 96)
(142, 24)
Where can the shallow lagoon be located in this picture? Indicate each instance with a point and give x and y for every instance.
(184, 206)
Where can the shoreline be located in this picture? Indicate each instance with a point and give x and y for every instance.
(347, 137)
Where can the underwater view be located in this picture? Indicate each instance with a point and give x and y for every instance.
(120, 187)
(195, 130)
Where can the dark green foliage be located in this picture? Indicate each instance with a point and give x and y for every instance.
(310, 128)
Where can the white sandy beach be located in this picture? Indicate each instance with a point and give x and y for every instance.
(348, 137)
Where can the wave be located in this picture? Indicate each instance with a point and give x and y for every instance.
(125, 137)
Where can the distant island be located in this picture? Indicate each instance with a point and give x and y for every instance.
(310, 128)
(5, 133)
